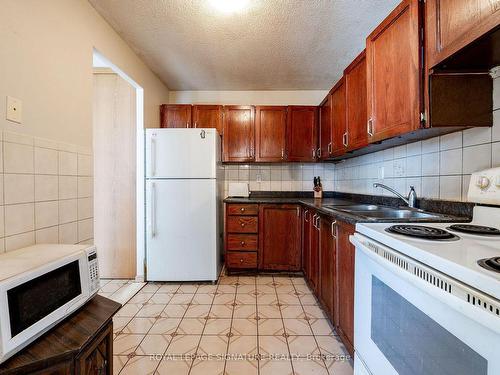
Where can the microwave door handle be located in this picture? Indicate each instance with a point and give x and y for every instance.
(153, 209)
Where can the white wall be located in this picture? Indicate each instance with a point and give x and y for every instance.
(46, 61)
(303, 97)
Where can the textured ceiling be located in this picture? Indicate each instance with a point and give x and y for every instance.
(271, 45)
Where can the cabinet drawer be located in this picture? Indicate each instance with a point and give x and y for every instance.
(241, 259)
(243, 209)
(242, 224)
(242, 242)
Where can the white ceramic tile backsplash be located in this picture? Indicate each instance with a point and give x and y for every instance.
(281, 177)
(46, 191)
(440, 167)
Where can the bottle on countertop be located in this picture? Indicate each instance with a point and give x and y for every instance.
(318, 188)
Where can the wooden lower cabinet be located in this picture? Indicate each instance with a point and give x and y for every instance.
(82, 344)
(98, 357)
(286, 237)
(327, 267)
(313, 277)
(345, 285)
(242, 236)
(241, 259)
(306, 241)
(280, 237)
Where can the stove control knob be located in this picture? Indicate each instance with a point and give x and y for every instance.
(483, 182)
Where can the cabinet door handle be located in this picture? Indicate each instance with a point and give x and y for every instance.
(153, 209)
(334, 223)
(330, 148)
(282, 153)
(344, 139)
(195, 124)
(314, 220)
(370, 127)
(318, 222)
(319, 152)
(187, 124)
(306, 213)
(314, 153)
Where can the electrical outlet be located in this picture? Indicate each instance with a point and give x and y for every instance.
(14, 109)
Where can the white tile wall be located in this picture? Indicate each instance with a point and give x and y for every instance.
(46, 192)
(281, 177)
(440, 167)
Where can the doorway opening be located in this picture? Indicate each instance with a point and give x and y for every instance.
(118, 137)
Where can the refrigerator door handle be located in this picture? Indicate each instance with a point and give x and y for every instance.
(153, 209)
(153, 156)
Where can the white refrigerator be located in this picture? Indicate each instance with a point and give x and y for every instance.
(184, 182)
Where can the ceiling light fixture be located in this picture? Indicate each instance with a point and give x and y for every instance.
(229, 6)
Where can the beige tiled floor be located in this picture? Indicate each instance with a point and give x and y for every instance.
(244, 325)
(119, 290)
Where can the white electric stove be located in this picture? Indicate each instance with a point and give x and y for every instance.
(427, 296)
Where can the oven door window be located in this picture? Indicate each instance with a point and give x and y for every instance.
(413, 343)
(37, 298)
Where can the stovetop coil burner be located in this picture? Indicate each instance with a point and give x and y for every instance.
(491, 264)
(475, 229)
(422, 232)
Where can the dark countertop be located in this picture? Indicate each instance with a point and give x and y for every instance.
(319, 205)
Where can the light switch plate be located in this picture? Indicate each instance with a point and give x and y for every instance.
(14, 109)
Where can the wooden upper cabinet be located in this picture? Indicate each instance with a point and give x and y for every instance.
(270, 133)
(208, 116)
(453, 24)
(394, 73)
(325, 129)
(339, 126)
(301, 133)
(355, 92)
(175, 115)
(280, 237)
(239, 129)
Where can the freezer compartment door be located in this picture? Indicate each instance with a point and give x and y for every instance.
(181, 153)
(182, 242)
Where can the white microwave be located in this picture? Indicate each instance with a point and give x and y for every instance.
(40, 285)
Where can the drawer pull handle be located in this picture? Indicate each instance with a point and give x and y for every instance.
(242, 224)
(241, 260)
(242, 209)
(242, 243)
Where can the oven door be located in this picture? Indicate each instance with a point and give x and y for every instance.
(32, 303)
(405, 325)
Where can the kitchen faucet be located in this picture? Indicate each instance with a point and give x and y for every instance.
(411, 200)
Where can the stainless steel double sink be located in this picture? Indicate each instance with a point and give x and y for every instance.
(372, 211)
